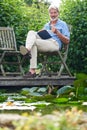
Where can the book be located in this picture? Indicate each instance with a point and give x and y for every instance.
(44, 34)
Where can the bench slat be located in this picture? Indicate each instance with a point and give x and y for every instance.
(8, 49)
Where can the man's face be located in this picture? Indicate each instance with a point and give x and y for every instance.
(53, 13)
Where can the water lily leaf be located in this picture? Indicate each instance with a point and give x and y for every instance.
(64, 90)
(33, 89)
(60, 100)
(43, 89)
(35, 94)
(25, 89)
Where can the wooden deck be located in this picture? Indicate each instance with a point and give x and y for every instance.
(37, 81)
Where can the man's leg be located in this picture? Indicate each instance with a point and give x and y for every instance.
(30, 40)
(42, 46)
(49, 45)
(34, 43)
(30, 45)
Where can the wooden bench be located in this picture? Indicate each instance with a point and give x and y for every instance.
(10, 60)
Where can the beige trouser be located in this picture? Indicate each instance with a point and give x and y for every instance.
(35, 43)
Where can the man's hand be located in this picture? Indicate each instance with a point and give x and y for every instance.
(53, 29)
(63, 38)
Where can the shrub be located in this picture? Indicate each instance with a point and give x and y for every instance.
(74, 13)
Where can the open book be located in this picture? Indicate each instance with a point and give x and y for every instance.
(44, 34)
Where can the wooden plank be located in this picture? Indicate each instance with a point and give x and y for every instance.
(7, 39)
(37, 81)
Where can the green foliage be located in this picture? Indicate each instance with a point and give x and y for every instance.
(22, 17)
(3, 98)
(81, 85)
(74, 12)
(13, 15)
(78, 91)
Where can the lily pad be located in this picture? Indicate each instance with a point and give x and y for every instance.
(60, 100)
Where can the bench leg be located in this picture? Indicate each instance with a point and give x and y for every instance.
(2, 70)
(63, 65)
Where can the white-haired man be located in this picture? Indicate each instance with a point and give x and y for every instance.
(59, 33)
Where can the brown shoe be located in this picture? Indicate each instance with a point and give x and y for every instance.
(24, 51)
(30, 75)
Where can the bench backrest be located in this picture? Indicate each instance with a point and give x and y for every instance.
(7, 39)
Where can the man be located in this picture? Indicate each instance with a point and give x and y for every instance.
(59, 34)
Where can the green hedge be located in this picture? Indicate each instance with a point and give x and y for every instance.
(74, 12)
(22, 17)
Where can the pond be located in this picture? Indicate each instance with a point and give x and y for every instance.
(40, 104)
(44, 100)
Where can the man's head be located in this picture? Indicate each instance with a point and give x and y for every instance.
(53, 12)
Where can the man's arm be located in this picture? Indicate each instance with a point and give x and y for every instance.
(63, 38)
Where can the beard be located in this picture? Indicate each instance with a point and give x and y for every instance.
(53, 19)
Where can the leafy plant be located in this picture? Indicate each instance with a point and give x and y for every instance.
(77, 91)
(81, 84)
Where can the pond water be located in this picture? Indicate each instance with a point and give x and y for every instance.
(20, 100)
